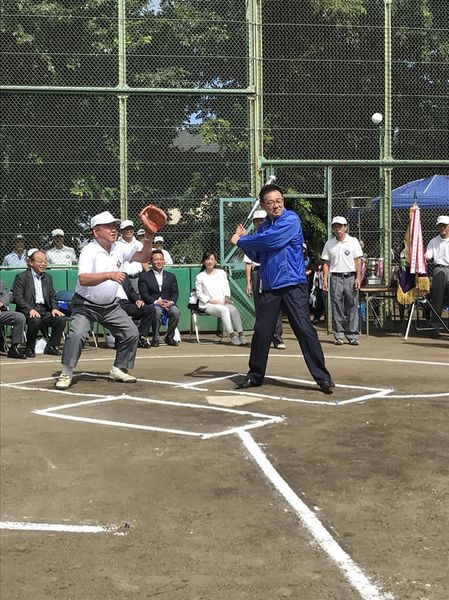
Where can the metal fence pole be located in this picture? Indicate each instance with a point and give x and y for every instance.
(387, 148)
(255, 81)
(122, 100)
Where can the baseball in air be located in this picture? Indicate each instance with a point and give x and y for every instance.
(377, 118)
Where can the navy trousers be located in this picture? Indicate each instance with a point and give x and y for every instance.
(294, 302)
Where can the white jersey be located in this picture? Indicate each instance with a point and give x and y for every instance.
(134, 267)
(342, 255)
(248, 261)
(438, 251)
(61, 256)
(95, 259)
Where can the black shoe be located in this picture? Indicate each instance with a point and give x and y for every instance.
(29, 352)
(171, 342)
(52, 350)
(327, 386)
(154, 344)
(14, 352)
(143, 343)
(247, 383)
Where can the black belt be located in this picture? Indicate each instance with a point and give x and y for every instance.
(442, 266)
(344, 275)
(134, 276)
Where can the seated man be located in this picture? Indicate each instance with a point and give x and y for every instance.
(160, 288)
(136, 308)
(60, 254)
(18, 257)
(13, 318)
(35, 297)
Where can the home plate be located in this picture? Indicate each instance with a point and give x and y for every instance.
(230, 401)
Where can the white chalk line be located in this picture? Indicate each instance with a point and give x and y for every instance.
(262, 419)
(351, 570)
(393, 360)
(380, 394)
(419, 395)
(164, 357)
(28, 526)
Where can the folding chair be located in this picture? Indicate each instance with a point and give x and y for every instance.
(195, 314)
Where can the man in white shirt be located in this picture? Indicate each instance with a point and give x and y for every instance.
(159, 245)
(342, 258)
(132, 268)
(60, 255)
(438, 251)
(18, 257)
(99, 277)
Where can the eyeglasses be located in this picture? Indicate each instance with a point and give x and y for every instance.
(272, 203)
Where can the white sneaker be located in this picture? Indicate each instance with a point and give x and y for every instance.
(121, 375)
(235, 340)
(63, 382)
(280, 346)
(243, 340)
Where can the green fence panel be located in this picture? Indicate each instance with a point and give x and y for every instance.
(8, 276)
(72, 278)
(59, 277)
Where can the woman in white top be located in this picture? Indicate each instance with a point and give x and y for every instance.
(214, 296)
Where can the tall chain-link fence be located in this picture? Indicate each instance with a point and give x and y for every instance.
(175, 101)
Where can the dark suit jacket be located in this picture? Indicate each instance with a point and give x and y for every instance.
(149, 288)
(24, 293)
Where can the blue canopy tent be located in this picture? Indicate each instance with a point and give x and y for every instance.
(432, 196)
(431, 192)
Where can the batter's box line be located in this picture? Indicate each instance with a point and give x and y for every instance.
(263, 419)
(373, 392)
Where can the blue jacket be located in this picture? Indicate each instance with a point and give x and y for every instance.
(277, 246)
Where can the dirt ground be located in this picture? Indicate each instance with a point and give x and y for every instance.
(195, 516)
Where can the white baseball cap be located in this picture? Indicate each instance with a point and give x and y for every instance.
(339, 221)
(443, 220)
(31, 251)
(126, 223)
(259, 214)
(158, 238)
(140, 232)
(103, 218)
(56, 232)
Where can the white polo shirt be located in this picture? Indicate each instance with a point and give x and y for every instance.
(134, 267)
(342, 255)
(61, 256)
(438, 251)
(95, 259)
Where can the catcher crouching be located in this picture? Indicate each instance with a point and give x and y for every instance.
(99, 277)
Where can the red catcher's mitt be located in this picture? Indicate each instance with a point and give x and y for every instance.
(153, 218)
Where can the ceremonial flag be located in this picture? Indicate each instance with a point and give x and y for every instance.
(413, 279)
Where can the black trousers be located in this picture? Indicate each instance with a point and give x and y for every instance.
(294, 302)
(46, 319)
(146, 315)
(255, 280)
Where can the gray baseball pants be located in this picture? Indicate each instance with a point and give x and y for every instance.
(345, 310)
(112, 317)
